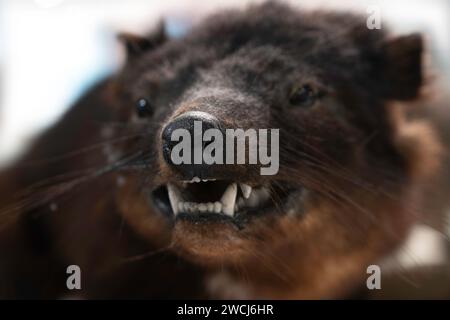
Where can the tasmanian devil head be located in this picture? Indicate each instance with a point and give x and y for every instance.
(320, 86)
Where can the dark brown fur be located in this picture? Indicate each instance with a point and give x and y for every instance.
(65, 202)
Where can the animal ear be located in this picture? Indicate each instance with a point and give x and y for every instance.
(401, 67)
(135, 45)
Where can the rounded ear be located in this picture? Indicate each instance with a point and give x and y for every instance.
(135, 45)
(400, 68)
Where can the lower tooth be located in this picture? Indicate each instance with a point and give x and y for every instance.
(217, 207)
(246, 190)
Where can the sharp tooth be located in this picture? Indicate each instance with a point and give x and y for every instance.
(174, 197)
(228, 199)
(257, 197)
(246, 190)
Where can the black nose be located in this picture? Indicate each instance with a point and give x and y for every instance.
(188, 121)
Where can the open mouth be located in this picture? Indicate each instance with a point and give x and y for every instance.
(230, 200)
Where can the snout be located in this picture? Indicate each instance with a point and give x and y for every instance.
(211, 170)
(183, 143)
(204, 188)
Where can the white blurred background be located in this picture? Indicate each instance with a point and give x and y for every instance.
(53, 50)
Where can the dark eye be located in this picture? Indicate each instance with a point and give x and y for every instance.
(144, 108)
(303, 96)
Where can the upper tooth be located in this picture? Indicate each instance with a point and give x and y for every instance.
(174, 197)
(194, 179)
(246, 190)
(257, 197)
(228, 199)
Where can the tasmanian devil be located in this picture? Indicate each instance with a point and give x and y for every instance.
(100, 189)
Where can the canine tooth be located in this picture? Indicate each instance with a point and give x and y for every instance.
(228, 199)
(246, 190)
(257, 197)
(174, 197)
(217, 207)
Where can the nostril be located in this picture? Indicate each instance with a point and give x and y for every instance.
(187, 122)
